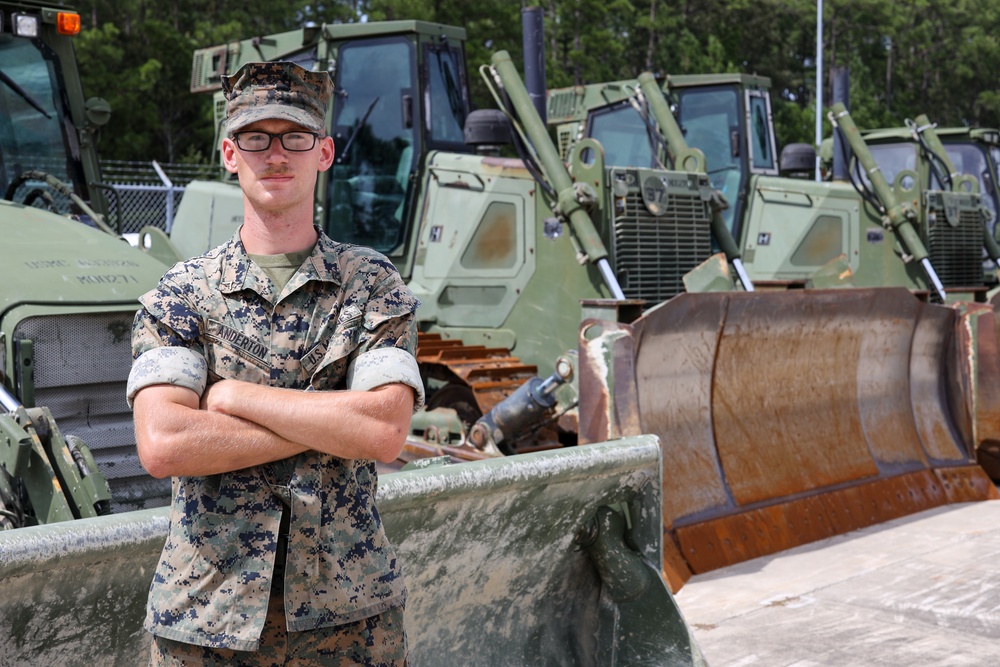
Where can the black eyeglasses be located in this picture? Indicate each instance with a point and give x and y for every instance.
(296, 141)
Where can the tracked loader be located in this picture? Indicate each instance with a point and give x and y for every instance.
(791, 231)
(838, 408)
(69, 288)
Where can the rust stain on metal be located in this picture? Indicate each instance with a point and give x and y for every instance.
(504, 166)
(721, 541)
(494, 242)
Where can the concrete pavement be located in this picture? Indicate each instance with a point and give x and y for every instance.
(921, 591)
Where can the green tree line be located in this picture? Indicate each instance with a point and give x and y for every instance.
(905, 58)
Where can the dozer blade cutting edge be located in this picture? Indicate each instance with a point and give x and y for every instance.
(788, 417)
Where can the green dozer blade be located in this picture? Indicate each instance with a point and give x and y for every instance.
(550, 558)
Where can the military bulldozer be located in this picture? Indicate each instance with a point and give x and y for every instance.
(956, 159)
(772, 404)
(69, 288)
(791, 230)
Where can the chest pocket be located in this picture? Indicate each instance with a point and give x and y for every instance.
(235, 355)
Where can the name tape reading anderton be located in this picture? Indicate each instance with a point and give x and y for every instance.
(239, 340)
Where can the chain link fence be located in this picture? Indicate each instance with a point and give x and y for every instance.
(139, 194)
(144, 194)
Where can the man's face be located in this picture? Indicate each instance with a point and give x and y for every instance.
(277, 179)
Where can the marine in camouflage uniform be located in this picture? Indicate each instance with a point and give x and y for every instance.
(292, 544)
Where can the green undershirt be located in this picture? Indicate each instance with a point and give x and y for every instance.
(280, 268)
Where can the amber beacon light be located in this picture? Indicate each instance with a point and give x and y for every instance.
(68, 23)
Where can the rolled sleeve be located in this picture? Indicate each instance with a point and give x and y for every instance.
(386, 365)
(178, 366)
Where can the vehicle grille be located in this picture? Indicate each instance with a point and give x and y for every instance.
(653, 252)
(81, 366)
(956, 253)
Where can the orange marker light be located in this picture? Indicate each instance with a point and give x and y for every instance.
(67, 23)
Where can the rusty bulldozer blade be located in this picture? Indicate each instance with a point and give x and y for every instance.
(788, 417)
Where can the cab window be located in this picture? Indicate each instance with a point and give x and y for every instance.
(623, 135)
(446, 99)
(710, 120)
(761, 138)
(373, 127)
(32, 124)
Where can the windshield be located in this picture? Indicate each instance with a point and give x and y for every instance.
(623, 135)
(892, 159)
(966, 157)
(710, 120)
(373, 127)
(971, 159)
(32, 122)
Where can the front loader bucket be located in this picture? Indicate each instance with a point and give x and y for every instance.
(788, 417)
(549, 558)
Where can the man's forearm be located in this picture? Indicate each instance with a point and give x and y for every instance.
(176, 438)
(348, 424)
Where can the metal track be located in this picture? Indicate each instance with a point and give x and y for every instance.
(491, 373)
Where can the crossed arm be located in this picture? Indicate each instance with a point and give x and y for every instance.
(239, 424)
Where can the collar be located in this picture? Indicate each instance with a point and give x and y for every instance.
(239, 273)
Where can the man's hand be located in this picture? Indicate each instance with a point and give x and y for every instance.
(214, 396)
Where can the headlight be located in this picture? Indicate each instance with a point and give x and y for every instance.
(25, 25)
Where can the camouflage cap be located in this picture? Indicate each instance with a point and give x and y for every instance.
(281, 90)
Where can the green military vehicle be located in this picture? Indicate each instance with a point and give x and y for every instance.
(975, 152)
(791, 230)
(69, 289)
(939, 159)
